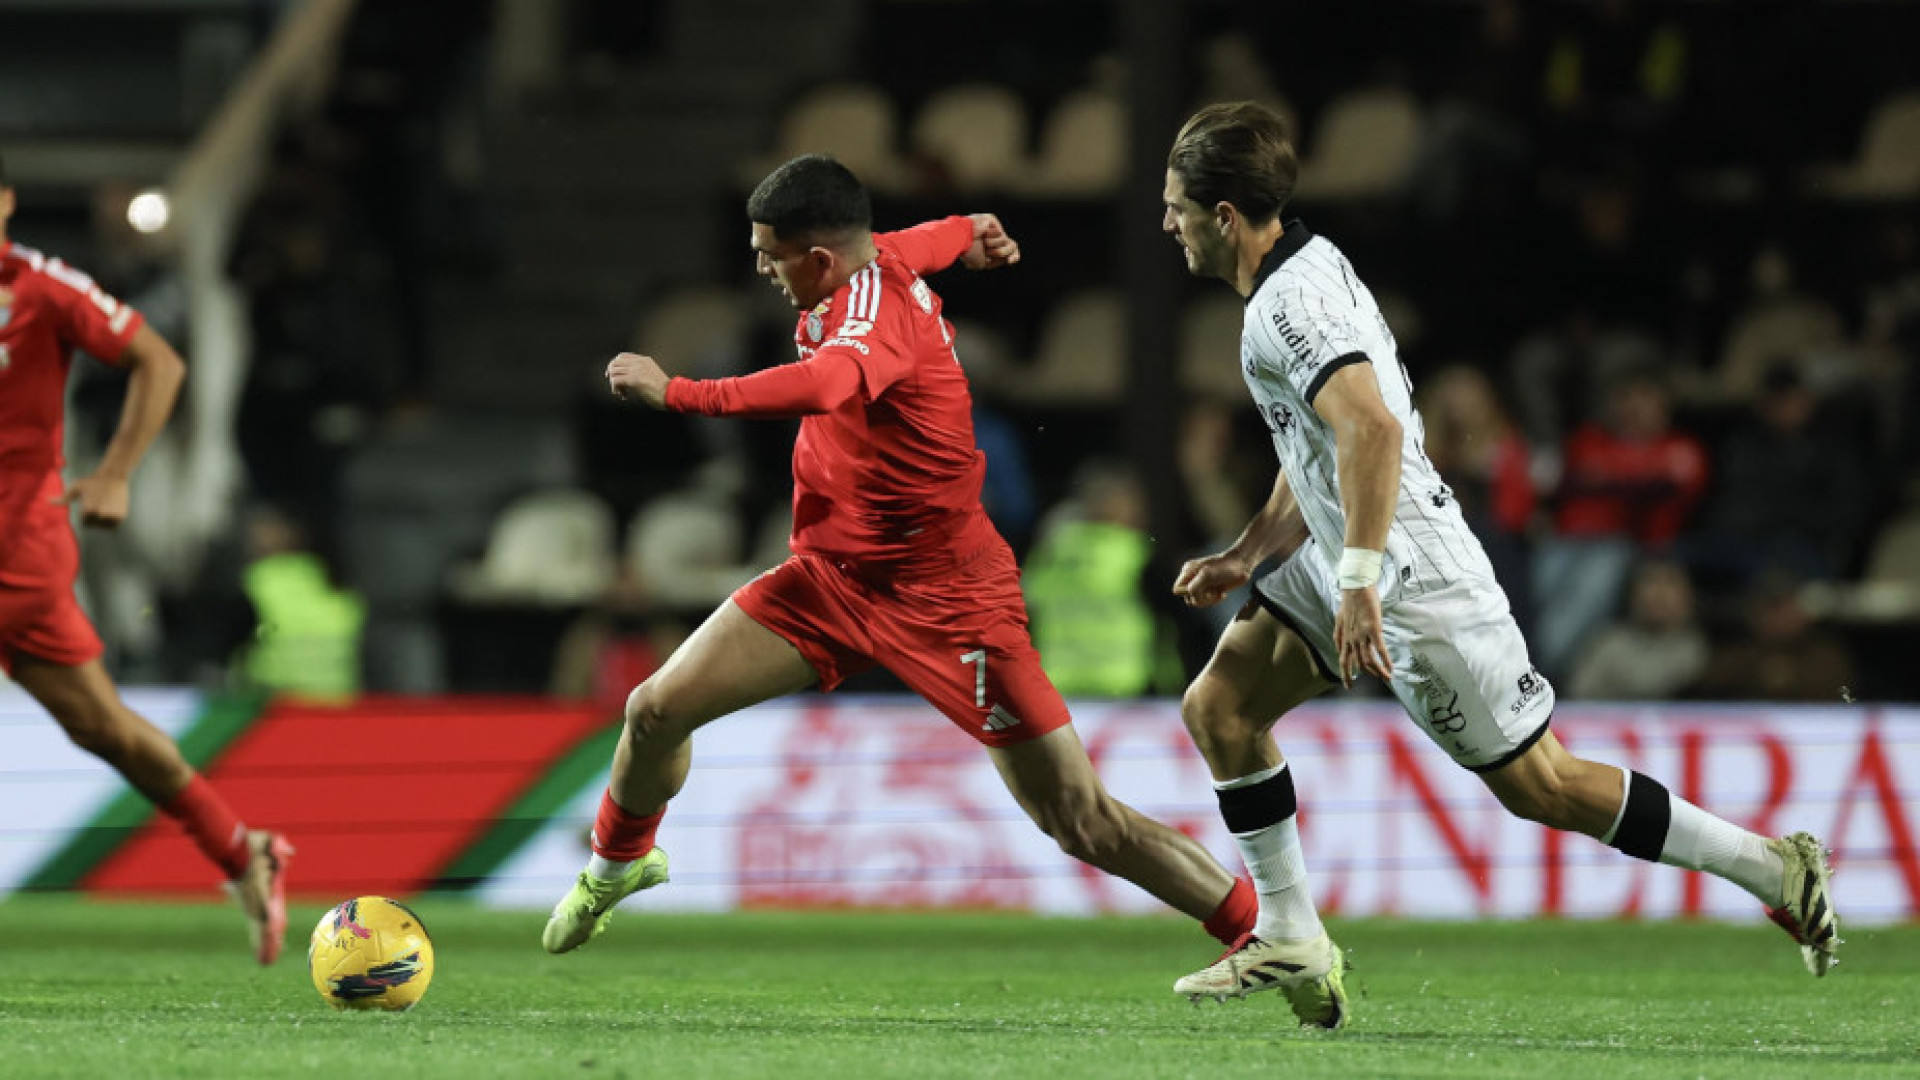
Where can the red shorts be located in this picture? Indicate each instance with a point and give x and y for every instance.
(45, 623)
(959, 640)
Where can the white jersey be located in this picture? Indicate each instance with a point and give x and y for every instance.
(1308, 317)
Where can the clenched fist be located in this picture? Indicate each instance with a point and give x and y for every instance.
(633, 377)
(992, 248)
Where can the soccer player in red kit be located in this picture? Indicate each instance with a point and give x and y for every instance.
(47, 309)
(894, 563)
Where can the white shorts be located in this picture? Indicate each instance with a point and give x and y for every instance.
(1460, 665)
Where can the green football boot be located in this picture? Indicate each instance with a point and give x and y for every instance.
(586, 909)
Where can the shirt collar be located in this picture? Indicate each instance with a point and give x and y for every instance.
(1293, 236)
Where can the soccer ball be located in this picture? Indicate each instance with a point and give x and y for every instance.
(370, 953)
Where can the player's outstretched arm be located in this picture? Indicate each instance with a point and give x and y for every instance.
(155, 372)
(1276, 529)
(978, 241)
(807, 388)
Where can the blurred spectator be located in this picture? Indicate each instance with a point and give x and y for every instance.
(1782, 656)
(307, 641)
(1656, 652)
(1628, 484)
(1555, 374)
(1091, 622)
(1487, 463)
(613, 646)
(1787, 496)
(1632, 475)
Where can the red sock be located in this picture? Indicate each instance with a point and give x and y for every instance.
(1236, 914)
(619, 836)
(215, 829)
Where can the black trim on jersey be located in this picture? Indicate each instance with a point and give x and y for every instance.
(1326, 372)
(1293, 236)
(1320, 665)
(1513, 755)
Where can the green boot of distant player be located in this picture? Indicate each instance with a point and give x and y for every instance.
(587, 908)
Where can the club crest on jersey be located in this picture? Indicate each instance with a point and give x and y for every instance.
(816, 325)
(6, 358)
(922, 295)
(6, 314)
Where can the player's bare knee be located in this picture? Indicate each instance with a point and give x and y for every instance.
(650, 713)
(1214, 719)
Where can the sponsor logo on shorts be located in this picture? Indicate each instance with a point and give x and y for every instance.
(1446, 716)
(1442, 700)
(1531, 685)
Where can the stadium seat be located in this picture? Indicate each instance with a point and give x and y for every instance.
(1081, 359)
(1888, 163)
(1083, 148)
(1231, 70)
(854, 122)
(1895, 556)
(1791, 327)
(978, 132)
(1363, 147)
(1210, 349)
(688, 324)
(984, 355)
(550, 546)
(1889, 590)
(685, 546)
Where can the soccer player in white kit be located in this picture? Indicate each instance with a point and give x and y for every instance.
(1378, 574)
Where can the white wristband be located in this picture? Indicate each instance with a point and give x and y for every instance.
(1359, 568)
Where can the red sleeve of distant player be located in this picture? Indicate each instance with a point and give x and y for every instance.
(933, 246)
(89, 317)
(815, 385)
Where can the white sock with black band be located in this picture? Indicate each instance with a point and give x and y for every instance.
(1656, 825)
(1260, 811)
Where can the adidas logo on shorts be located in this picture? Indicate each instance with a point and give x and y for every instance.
(999, 719)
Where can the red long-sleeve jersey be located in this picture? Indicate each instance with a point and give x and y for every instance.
(885, 471)
(47, 309)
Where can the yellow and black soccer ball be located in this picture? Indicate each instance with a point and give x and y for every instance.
(371, 953)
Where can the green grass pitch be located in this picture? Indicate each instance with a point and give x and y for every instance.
(123, 990)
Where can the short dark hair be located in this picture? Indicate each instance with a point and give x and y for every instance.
(808, 196)
(1236, 152)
